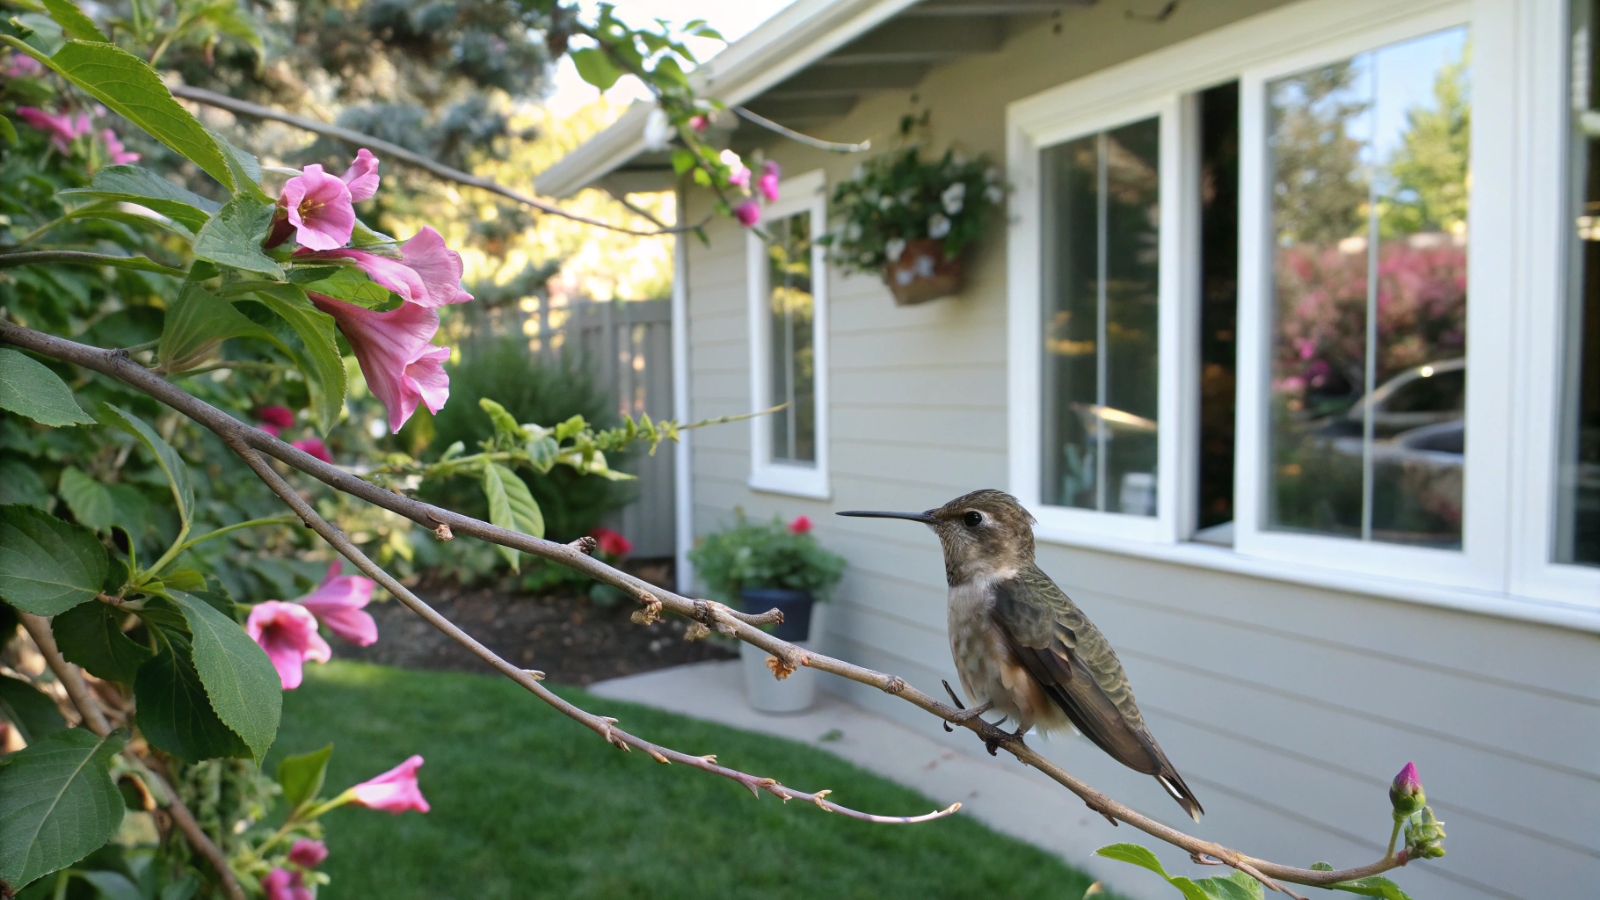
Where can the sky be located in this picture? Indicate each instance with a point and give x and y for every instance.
(733, 19)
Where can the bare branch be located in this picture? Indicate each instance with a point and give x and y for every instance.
(397, 153)
(808, 140)
(708, 614)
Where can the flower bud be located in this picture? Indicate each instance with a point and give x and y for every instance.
(1405, 792)
(1425, 836)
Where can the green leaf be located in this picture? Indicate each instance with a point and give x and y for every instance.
(176, 470)
(20, 483)
(301, 777)
(245, 167)
(133, 90)
(511, 506)
(196, 323)
(34, 714)
(89, 500)
(595, 67)
(90, 634)
(74, 24)
(244, 688)
(1133, 854)
(175, 714)
(505, 425)
(132, 184)
(347, 283)
(1233, 886)
(8, 131)
(317, 355)
(47, 566)
(234, 236)
(29, 388)
(111, 885)
(57, 803)
(1373, 886)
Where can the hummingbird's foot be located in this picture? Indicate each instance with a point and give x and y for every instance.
(969, 713)
(1005, 739)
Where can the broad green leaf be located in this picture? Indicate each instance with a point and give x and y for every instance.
(1142, 857)
(244, 688)
(317, 355)
(234, 236)
(89, 500)
(47, 566)
(29, 388)
(74, 24)
(1233, 886)
(505, 425)
(245, 167)
(301, 777)
(595, 67)
(511, 506)
(349, 284)
(133, 184)
(177, 471)
(90, 634)
(57, 803)
(128, 86)
(543, 450)
(175, 714)
(112, 211)
(20, 483)
(191, 582)
(111, 885)
(34, 714)
(1373, 886)
(8, 131)
(43, 34)
(196, 323)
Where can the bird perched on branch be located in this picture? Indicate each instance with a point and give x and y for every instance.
(1023, 648)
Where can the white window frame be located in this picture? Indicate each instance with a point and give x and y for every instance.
(1516, 303)
(806, 194)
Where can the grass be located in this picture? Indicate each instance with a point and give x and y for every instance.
(527, 803)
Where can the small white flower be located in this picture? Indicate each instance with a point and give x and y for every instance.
(954, 197)
(957, 159)
(657, 130)
(892, 248)
(870, 195)
(902, 278)
(938, 226)
(852, 232)
(993, 193)
(859, 173)
(923, 267)
(886, 203)
(991, 175)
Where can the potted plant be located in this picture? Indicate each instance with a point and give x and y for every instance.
(911, 220)
(756, 566)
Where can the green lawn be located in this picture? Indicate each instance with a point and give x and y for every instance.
(527, 803)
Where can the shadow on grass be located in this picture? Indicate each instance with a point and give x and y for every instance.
(527, 803)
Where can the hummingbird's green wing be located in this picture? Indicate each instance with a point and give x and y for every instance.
(1076, 666)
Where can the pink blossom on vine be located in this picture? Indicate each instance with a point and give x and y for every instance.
(308, 853)
(274, 419)
(63, 128)
(315, 447)
(748, 213)
(437, 265)
(21, 65)
(394, 348)
(395, 791)
(768, 182)
(288, 634)
(117, 153)
(337, 603)
(318, 207)
(362, 176)
(282, 884)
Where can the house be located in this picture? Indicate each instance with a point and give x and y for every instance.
(1325, 551)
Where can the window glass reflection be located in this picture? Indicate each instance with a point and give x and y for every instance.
(1578, 474)
(792, 376)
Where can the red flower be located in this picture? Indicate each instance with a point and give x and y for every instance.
(395, 791)
(308, 853)
(800, 525)
(315, 447)
(611, 543)
(748, 213)
(275, 418)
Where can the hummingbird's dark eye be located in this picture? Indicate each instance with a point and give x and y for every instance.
(972, 519)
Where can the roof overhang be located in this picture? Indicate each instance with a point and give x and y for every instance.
(806, 66)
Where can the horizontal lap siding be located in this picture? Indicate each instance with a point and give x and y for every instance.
(1287, 708)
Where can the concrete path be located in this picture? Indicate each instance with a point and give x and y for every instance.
(999, 792)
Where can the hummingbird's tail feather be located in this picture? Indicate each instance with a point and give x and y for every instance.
(1173, 782)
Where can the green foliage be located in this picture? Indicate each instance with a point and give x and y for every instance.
(240, 681)
(511, 506)
(90, 635)
(47, 566)
(29, 388)
(1233, 886)
(765, 555)
(175, 713)
(57, 803)
(301, 777)
(33, 713)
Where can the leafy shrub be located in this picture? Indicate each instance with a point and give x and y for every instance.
(766, 555)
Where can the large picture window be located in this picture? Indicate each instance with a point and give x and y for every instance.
(1577, 532)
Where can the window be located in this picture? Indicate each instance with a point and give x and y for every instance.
(1577, 532)
(1218, 274)
(788, 330)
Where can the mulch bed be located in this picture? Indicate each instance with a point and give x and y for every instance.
(570, 639)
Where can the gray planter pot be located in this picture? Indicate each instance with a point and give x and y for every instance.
(802, 625)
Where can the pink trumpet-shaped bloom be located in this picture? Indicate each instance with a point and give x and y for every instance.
(315, 447)
(118, 154)
(768, 183)
(282, 884)
(62, 128)
(748, 213)
(437, 265)
(319, 209)
(274, 419)
(337, 603)
(308, 853)
(395, 791)
(362, 176)
(288, 632)
(401, 366)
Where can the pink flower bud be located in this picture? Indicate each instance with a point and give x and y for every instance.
(395, 791)
(748, 213)
(337, 603)
(275, 419)
(282, 884)
(800, 525)
(308, 853)
(768, 183)
(288, 633)
(315, 447)
(1405, 792)
(362, 176)
(699, 123)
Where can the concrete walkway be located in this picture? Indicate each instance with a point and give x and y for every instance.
(999, 792)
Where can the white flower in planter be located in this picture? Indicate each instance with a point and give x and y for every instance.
(657, 130)
(993, 193)
(954, 197)
(852, 232)
(893, 247)
(886, 202)
(938, 226)
(991, 175)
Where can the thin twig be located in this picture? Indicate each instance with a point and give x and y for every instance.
(38, 628)
(397, 153)
(808, 140)
(713, 615)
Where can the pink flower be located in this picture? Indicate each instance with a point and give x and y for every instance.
(337, 603)
(118, 153)
(21, 65)
(362, 176)
(315, 447)
(62, 128)
(748, 213)
(769, 181)
(698, 123)
(275, 418)
(395, 791)
(738, 174)
(800, 525)
(429, 273)
(318, 208)
(401, 367)
(282, 884)
(288, 632)
(611, 542)
(308, 853)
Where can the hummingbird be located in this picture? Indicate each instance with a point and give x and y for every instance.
(1023, 648)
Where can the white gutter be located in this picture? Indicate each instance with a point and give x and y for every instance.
(799, 35)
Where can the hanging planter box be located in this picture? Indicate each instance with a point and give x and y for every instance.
(922, 273)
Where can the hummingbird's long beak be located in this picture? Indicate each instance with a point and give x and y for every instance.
(922, 517)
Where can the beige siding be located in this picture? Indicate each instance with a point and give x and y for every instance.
(1286, 707)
